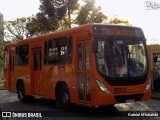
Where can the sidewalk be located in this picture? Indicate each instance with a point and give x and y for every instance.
(1, 82)
(155, 95)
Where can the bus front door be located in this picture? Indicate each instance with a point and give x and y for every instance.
(83, 71)
(37, 69)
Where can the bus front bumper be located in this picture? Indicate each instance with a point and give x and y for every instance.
(104, 99)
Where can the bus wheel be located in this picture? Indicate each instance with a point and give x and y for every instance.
(21, 92)
(63, 98)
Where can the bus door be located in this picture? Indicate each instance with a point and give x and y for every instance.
(83, 71)
(11, 73)
(37, 55)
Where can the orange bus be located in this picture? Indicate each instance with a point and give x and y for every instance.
(93, 64)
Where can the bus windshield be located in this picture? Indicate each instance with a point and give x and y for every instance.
(121, 57)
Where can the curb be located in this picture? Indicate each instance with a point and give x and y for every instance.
(155, 98)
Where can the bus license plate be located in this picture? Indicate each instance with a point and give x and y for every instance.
(129, 101)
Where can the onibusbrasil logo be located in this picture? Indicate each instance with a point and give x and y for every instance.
(18, 114)
(151, 5)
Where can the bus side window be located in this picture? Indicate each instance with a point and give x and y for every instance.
(87, 56)
(22, 55)
(62, 46)
(70, 49)
(80, 57)
(6, 58)
(57, 51)
(45, 52)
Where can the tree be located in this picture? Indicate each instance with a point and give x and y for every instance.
(13, 30)
(1, 55)
(1, 49)
(116, 20)
(40, 24)
(52, 14)
(16, 30)
(89, 13)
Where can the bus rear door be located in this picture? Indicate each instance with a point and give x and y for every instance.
(37, 55)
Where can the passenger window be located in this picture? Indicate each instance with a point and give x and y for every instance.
(22, 55)
(6, 58)
(87, 55)
(80, 56)
(45, 52)
(57, 51)
(70, 50)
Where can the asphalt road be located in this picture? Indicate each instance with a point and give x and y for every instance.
(47, 109)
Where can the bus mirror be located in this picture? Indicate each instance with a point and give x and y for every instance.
(95, 46)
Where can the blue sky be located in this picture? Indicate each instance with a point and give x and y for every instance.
(138, 12)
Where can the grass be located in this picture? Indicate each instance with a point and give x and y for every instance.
(155, 94)
(1, 87)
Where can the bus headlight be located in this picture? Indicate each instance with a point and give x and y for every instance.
(102, 87)
(148, 85)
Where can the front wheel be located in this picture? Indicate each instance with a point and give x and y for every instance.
(63, 98)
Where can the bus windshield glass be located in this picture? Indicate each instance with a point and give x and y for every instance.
(121, 57)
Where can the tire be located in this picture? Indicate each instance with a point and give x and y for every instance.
(63, 98)
(21, 92)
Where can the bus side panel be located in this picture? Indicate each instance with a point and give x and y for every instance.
(23, 73)
(6, 79)
(6, 70)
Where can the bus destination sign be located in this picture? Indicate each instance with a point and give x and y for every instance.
(118, 31)
(121, 32)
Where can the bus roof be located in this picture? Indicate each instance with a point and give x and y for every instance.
(65, 31)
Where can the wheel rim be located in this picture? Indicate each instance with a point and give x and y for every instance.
(65, 98)
(21, 94)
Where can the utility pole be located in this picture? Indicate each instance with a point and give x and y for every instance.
(1, 27)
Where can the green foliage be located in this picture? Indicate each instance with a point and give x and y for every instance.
(52, 15)
(89, 13)
(16, 30)
(116, 20)
(1, 87)
(40, 25)
(1, 49)
(1, 54)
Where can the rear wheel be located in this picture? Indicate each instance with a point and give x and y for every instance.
(21, 92)
(63, 98)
